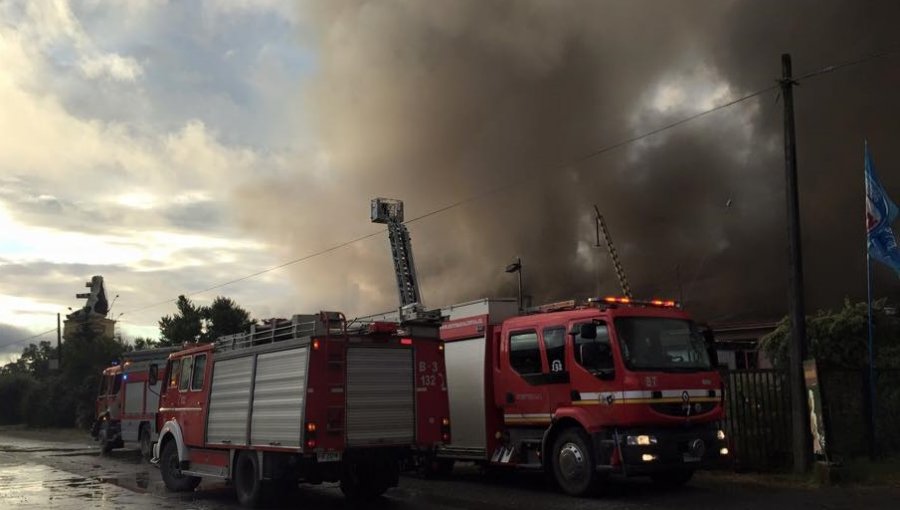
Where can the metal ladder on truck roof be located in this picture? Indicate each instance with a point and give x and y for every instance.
(279, 330)
(390, 212)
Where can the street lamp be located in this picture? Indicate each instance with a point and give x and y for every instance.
(516, 267)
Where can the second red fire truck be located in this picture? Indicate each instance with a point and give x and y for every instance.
(581, 391)
(127, 401)
(311, 398)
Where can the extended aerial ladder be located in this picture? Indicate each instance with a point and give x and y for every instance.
(390, 212)
(613, 255)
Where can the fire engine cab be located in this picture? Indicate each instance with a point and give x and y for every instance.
(613, 385)
(312, 398)
(127, 401)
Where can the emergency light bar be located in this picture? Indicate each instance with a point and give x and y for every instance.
(612, 300)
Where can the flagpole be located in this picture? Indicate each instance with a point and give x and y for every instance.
(871, 349)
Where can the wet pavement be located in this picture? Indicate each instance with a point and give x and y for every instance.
(69, 473)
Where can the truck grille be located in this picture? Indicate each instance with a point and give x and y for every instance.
(682, 409)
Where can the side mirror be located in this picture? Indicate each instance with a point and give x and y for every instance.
(588, 331)
(153, 376)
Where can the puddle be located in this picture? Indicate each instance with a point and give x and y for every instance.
(39, 486)
(37, 449)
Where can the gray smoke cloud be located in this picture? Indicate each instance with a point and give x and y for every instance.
(434, 102)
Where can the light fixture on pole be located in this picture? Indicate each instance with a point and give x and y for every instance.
(516, 267)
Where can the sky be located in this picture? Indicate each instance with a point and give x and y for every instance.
(172, 147)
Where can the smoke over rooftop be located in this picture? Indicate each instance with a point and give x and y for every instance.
(434, 102)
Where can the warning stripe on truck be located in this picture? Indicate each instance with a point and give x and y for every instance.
(528, 418)
(648, 397)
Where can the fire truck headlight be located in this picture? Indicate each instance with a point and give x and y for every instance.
(648, 457)
(720, 435)
(723, 451)
(642, 440)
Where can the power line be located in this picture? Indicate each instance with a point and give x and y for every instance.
(32, 337)
(471, 198)
(575, 162)
(848, 63)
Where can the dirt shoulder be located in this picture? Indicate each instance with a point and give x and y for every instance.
(67, 435)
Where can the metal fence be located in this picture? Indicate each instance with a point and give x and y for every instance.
(758, 419)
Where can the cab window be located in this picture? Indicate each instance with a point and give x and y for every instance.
(174, 372)
(602, 337)
(104, 384)
(524, 352)
(555, 344)
(117, 384)
(199, 372)
(185, 373)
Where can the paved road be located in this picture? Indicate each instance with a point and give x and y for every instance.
(69, 473)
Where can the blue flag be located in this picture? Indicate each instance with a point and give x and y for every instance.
(880, 213)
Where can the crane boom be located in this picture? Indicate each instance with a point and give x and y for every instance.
(390, 212)
(620, 272)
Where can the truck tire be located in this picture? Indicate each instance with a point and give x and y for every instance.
(106, 445)
(368, 479)
(430, 467)
(573, 464)
(673, 478)
(171, 474)
(247, 485)
(146, 444)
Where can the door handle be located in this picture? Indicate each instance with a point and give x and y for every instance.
(510, 398)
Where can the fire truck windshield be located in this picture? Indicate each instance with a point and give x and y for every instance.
(656, 343)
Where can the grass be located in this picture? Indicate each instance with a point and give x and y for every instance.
(852, 473)
(46, 434)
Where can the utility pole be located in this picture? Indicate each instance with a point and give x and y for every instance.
(58, 343)
(799, 408)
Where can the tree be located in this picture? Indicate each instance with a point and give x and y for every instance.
(140, 343)
(31, 392)
(183, 326)
(224, 317)
(840, 339)
(192, 323)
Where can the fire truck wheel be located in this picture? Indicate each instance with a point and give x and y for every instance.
(367, 480)
(430, 467)
(672, 479)
(573, 463)
(106, 445)
(171, 474)
(247, 485)
(146, 445)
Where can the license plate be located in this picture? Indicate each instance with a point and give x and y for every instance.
(328, 456)
(691, 458)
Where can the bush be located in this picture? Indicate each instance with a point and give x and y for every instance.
(840, 339)
(13, 388)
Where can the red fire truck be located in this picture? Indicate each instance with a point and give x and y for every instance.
(127, 401)
(312, 398)
(581, 391)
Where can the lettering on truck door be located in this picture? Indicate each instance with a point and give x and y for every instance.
(594, 380)
(524, 399)
(556, 379)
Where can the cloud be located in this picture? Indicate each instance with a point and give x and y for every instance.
(112, 66)
(106, 168)
(10, 341)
